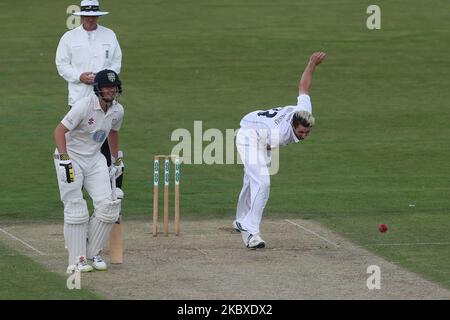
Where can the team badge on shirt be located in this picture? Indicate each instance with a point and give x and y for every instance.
(99, 135)
(91, 121)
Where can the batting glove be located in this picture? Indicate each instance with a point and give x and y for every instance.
(66, 173)
(117, 167)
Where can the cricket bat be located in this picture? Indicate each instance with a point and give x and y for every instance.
(116, 243)
(116, 235)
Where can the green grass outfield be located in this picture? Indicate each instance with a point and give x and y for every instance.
(23, 279)
(378, 154)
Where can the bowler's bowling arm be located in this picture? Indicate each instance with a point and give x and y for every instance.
(306, 79)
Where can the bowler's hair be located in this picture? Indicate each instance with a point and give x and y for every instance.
(304, 118)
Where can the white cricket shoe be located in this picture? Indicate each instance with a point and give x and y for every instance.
(98, 263)
(82, 266)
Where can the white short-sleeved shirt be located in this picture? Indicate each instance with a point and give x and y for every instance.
(86, 51)
(89, 126)
(277, 122)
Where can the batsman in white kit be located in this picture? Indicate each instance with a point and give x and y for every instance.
(261, 131)
(80, 164)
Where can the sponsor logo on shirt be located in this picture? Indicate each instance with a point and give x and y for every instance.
(99, 135)
(279, 119)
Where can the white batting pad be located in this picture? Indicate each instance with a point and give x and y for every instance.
(76, 211)
(75, 237)
(97, 236)
(107, 210)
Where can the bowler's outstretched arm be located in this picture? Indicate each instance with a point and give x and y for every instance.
(305, 82)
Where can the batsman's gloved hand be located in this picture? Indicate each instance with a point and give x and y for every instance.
(65, 167)
(117, 167)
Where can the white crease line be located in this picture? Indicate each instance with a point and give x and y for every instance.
(310, 231)
(205, 254)
(412, 244)
(23, 242)
(201, 251)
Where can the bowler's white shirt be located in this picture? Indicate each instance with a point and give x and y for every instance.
(277, 122)
(89, 126)
(86, 51)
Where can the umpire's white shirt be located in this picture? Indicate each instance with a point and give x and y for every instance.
(86, 51)
(88, 127)
(277, 122)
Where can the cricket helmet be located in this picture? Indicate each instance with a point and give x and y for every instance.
(107, 78)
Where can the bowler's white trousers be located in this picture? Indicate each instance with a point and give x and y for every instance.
(251, 144)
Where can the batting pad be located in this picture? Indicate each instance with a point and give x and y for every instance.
(107, 210)
(97, 236)
(75, 237)
(76, 212)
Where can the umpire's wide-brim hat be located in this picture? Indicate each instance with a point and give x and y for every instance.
(90, 8)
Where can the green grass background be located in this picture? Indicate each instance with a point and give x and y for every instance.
(381, 143)
(23, 279)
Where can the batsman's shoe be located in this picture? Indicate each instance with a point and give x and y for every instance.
(252, 241)
(82, 266)
(99, 264)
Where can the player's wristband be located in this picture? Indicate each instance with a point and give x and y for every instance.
(62, 156)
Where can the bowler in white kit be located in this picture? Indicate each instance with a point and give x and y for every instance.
(79, 164)
(261, 131)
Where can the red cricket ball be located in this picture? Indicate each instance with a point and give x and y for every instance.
(383, 227)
